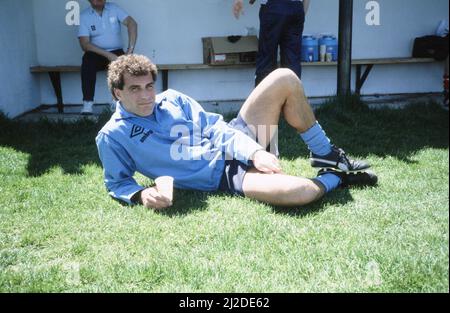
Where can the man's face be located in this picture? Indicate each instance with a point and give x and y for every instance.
(97, 4)
(138, 94)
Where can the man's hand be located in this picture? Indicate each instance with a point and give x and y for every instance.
(112, 57)
(152, 199)
(266, 162)
(238, 6)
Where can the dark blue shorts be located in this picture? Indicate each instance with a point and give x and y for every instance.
(233, 177)
(234, 171)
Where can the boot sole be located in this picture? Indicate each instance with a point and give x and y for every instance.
(332, 169)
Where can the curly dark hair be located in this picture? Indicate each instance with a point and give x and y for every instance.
(133, 64)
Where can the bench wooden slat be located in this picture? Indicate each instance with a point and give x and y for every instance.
(172, 67)
(168, 67)
(48, 69)
(354, 62)
(392, 61)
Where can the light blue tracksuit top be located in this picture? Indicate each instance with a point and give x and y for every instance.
(179, 139)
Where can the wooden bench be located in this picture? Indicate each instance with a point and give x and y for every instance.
(361, 64)
(55, 77)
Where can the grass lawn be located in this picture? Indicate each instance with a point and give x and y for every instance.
(60, 232)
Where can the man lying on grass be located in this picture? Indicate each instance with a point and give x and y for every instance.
(171, 135)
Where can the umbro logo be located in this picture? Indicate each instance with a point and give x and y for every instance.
(138, 130)
(93, 28)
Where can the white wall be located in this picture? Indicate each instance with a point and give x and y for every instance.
(19, 90)
(401, 22)
(170, 31)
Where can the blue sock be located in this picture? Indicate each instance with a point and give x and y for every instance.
(316, 140)
(329, 181)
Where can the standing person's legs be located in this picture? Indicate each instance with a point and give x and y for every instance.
(291, 42)
(271, 25)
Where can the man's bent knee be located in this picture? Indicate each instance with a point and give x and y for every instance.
(287, 78)
(286, 73)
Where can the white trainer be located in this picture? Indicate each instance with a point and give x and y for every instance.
(87, 108)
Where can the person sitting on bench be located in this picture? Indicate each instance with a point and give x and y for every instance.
(100, 38)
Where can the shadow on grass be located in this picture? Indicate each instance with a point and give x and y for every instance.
(49, 144)
(338, 197)
(361, 131)
(186, 202)
(193, 201)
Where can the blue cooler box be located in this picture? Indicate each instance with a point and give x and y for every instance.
(310, 49)
(332, 45)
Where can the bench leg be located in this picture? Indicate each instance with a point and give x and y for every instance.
(165, 79)
(55, 78)
(360, 80)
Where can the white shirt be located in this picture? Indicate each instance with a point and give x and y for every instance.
(104, 31)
